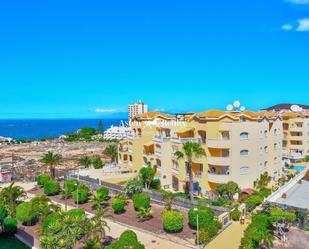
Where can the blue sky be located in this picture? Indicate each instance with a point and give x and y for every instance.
(65, 59)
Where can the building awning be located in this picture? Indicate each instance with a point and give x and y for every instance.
(184, 130)
(248, 191)
(149, 144)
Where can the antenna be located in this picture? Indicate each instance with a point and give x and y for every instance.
(236, 104)
(229, 107)
(242, 108)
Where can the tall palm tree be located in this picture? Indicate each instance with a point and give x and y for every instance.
(190, 150)
(51, 160)
(85, 161)
(10, 195)
(112, 151)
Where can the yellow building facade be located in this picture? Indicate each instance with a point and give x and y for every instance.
(295, 135)
(239, 147)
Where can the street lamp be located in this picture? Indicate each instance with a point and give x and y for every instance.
(76, 184)
(197, 226)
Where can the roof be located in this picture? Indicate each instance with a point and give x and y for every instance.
(210, 114)
(153, 114)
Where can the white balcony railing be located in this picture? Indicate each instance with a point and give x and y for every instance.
(184, 140)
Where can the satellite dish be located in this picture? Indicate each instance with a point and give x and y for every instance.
(295, 108)
(242, 108)
(229, 107)
(236, 104)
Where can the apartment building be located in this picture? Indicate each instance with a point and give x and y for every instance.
(239, 147)
(295, 135)
(136, 109)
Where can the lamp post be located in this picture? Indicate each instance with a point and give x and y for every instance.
(76, 184)
(197, 227)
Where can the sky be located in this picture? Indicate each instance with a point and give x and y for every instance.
(84, 59)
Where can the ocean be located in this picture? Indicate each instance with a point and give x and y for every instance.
(36, 129)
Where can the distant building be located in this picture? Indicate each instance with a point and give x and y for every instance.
(136, 108)
(117, 132)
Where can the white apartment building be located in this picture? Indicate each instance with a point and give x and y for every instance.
(136, 109)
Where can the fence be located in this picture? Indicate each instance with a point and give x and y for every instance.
(155, 196)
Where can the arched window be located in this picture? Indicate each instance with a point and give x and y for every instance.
(265, 149)
(244, 170)
(244, 135)
(244, 153)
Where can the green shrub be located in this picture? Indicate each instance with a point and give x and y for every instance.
(306, 158)
(264, 192)
(121, 197)
(155, 184)
(97, 163)
(306, 228)
(25, 213)
(102, 193)
(41, 179)
(205, 216)
(77, 212)
(253, 201)
(209, 231)
(51, 187)
(235, 215)
(83, 195)
(51, 218)
(3, 213)
(127, 240)
(118, 206)
(10, 226)
(70, 186)
(172, 221)
(141, 201)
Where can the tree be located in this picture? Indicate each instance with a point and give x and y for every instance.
(85, 161)
(97, 163)
(147, 174)
(168, 198)
(190, 150)
(87, 132)
(228, 189)
(262, 182)
(112, 151)
(43, 207)
(100, 127)
(51, 160)
(9, 197)
(133, 186)
(307, 158)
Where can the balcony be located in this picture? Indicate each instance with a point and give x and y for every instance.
(296, 146)
(184, 140)
(133, 137)
(160, 139)
(296, 128)
(123, 149)
(221, 161)
(158, 153)
(219, 143)
(218, 178)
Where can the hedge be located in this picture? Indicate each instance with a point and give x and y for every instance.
(141, 201)
(102, 193)
(25, 213)
(77, 212)
(10, 226)
(205, 216)
(209, 231)
(172, 221)
(127, 240)
(235, 215)
(155, 184)
(42, 179)
(51, 218)
(253, 201)
(118, 206)
(51, 187)
(83, 195)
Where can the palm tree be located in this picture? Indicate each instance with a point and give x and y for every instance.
(168, 198)
(10, 195)
(190, 150)
(51, 160)
(85, 161)
(262, 182)
(112, 151)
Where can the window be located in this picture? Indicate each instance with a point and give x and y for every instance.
(265, 133)
(244, 153)
(265, 149)
(275, 131)
(244, 170)
(265, 164)
(244, 135)
(275, 146)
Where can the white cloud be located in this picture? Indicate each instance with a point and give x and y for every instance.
(287, 27)
(303, 25)
(298, 1)
(107, 110)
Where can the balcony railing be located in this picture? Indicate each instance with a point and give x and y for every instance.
(222, 161)
(184, 140)
(219, 143)
(160, 139)
(218, 178)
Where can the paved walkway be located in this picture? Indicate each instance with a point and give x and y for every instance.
(229, 238)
